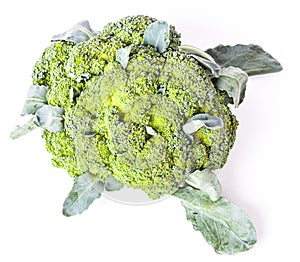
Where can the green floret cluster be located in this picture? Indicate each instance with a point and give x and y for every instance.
(110, 109)
(130, 30)
(62, 148)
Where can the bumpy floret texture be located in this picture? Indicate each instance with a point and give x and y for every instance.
(106, 120)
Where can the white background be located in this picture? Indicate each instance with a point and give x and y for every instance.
(261, 176)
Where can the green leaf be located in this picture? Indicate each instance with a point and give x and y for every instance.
(112, 184)
(191, 50)
(250, 58)
(36, 98)
(122, 56)
(233, 80)
(213, 67)
(86, 189)
(80, 32)
(203, 58)
(197, 121)
(224, 225)
(157, 35)
(50, 118)
(206, 181)
(151, 131)
(24, 129)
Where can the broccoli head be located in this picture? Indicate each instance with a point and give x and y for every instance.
(127, 122)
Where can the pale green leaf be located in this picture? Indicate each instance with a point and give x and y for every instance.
(197, 121)
(24, 129)
(86, 189)
(161, 90)
(191, 50)
(224, 225)
(112, 184)
(233, 80)
(250, 58)
(157, 35)
(213, 67)
(122, 56)
(35, 99)
(192, 126)
(207, 181)
(203, 58)
(51, 118)
(151, 131)
(80, 32)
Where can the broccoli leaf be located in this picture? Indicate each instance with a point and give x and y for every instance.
(24, 129)
(224, 225)
(212, 66)
(122, 56)
(233, 80)
(86, 189)
(191, 50)
(157, 35)
(80, 32)
(36, 98)
(151, 131)
(206, 181)
(203, 58)
(50, 118)
(112, 184)
(197, 121)
(250, 58)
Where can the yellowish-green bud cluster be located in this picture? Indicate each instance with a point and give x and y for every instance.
(109, 109)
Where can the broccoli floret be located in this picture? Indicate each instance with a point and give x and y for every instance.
(61, 146)
(130, 31)
(89, 58)
(187, 84)
(50, 71)
(50, 66)
(106, 122)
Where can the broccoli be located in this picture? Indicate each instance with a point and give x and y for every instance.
(117, 105)
(130, 106)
